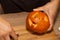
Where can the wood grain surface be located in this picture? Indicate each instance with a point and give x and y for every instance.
(17, 20)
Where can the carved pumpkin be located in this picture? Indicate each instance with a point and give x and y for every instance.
(37, 21)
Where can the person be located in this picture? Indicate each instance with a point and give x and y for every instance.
(14, 6)
(6, 30)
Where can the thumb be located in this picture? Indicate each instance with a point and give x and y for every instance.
(38, 9)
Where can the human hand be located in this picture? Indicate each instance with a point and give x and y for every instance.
(6, 31)
(50, 10)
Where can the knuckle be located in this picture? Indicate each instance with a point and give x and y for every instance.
(3, 34)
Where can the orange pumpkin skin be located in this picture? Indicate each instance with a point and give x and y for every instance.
(37, 21)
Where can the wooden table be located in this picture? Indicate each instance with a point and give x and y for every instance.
(17, 20)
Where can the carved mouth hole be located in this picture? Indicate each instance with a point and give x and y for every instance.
(33, 22)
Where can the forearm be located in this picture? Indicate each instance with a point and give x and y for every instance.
(53, 5)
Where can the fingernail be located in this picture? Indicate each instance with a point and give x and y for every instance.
(17, 34)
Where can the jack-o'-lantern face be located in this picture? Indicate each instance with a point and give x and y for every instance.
(37, 22)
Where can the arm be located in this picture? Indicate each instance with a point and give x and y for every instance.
(50, 9)
(53, 7)
(6, 30)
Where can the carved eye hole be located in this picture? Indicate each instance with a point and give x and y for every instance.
(46, 19)
(35, 18)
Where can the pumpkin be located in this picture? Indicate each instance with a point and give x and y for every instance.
(37, 21)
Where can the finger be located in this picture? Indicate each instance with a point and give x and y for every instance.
(7, 37)
(13, 35)
(1, 38)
